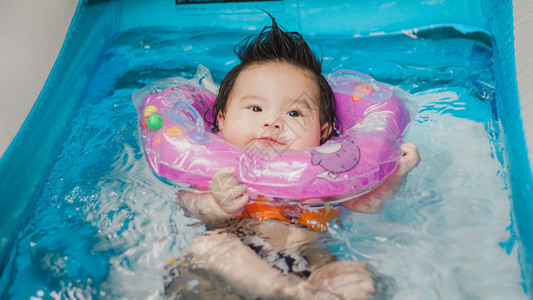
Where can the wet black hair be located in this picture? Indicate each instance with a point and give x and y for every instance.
(273, 44)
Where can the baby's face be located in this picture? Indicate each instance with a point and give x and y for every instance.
(273, 106)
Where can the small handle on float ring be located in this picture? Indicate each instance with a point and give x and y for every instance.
(192, 127)
(195, 127)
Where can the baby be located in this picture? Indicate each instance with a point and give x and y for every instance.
(276, 100)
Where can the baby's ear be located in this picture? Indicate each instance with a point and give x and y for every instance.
(325, 130)
(220, 120)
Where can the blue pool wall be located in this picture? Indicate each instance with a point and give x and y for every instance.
(518, 165)
(25, 165)
(23, 171)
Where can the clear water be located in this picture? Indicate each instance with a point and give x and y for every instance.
(103, 226)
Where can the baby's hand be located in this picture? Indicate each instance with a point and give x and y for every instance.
(227, 193)
(348, 279)
(409, 159)
(224, 200)
(372, 202)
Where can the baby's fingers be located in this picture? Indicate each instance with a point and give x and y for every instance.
(235, 205)
(223, 180)
(233, 197)
(409, 148)
(409, 159)
(226, 190)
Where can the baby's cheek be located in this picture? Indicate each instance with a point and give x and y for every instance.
(237, 136)
(306, 139)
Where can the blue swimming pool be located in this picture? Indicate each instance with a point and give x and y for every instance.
(83, 215)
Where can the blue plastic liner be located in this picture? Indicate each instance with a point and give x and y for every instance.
(23, 172)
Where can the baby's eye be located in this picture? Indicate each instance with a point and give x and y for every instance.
(255, 108)
(294, 113)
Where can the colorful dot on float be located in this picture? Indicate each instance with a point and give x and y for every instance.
(361, 91)
(154, 122)
(173, 131)
(144, 123)
(149, 110)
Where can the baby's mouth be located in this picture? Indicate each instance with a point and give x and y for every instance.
(270, 140)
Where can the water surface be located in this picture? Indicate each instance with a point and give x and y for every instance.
(104, 226)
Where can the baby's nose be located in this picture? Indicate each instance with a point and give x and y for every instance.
(277, 124)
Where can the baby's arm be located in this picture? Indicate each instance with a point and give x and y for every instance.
(225, 255)
(372, 201)
(224, 199)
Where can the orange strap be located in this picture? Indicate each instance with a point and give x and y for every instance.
(315, 219)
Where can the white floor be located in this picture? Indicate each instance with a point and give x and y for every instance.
(32, 32)
(31, 35)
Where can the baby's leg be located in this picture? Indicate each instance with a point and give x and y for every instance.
(225, 255)
(348, 279)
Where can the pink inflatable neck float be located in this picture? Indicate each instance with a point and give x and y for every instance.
(181, 148)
